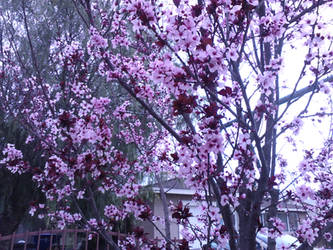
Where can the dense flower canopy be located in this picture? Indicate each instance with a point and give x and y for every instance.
(207, 100)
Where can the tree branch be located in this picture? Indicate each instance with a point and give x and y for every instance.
(291, 97)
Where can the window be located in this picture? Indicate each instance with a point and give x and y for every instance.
(284, 218)
(291, 219)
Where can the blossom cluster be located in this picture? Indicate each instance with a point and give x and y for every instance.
(193, 90)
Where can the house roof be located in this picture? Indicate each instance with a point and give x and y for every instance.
(289, 205)
(177, 186)
(173, 186)
(174, 183)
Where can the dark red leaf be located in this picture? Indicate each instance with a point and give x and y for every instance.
(176, 2)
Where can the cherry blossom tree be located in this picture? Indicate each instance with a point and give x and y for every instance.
(210, 80)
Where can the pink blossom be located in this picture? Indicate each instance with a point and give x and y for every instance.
(328, 237)
(304, 192)
(98, 41)
(99, 104)
(32, 210)
(278, 228)
(14, 160)
(61, 224)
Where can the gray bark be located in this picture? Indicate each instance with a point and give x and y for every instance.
(272, 212)
(165, 211)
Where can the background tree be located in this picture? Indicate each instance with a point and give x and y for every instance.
(17, 191)
(28, 28)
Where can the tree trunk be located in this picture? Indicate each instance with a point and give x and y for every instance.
(165, 211)
(248, 212)
(272, 212)
(16, 202)
(247, 232)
